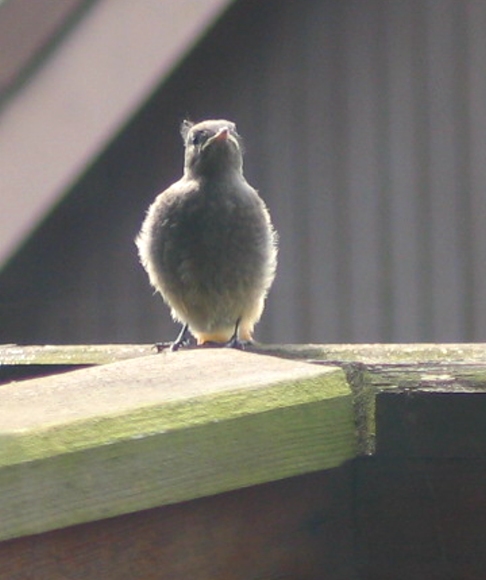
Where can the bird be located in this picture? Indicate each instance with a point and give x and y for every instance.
(208, 243)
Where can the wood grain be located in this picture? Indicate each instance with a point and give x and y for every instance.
(117, 438)
(295, 529)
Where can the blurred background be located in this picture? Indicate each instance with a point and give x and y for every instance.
(365, 131)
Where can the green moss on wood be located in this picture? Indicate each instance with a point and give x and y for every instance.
(162, 429)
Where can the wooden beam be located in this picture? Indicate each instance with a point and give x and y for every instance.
(154, 430)
(26, 30)
(161, 429)
(383, 358)
(75, 103)
(373, 354)
(294, 529)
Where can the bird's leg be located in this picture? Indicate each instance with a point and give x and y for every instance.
(181, 340)
(234, 341)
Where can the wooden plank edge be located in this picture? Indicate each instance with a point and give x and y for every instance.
(24, 445)
(14, 354)
(99, 468)
(70, 354)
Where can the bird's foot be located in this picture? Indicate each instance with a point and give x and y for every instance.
(182, 340)
(161, 346)
(233, 342)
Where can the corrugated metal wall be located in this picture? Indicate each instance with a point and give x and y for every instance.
(365, 124)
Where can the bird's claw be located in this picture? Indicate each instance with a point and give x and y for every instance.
(181, 341)
(161, 346)
(231, 343)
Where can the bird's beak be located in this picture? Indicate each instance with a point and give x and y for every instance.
(222, 134)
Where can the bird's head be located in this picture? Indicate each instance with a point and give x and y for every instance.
(212, 147)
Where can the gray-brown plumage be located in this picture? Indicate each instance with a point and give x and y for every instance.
(207, 242)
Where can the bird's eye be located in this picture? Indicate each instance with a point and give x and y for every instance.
(199, 137)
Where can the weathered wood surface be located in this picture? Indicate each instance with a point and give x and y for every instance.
(371, 370)
(12, 354)
(420, 500)
(22, 362)
(160, 429)
(414, 509)
(294, 529)
(70, 354)
(381, 354)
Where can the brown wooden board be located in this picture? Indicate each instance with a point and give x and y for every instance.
(295, 529)
(435, 424)
(421, 519)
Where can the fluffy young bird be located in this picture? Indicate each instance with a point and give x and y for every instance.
(207, 242)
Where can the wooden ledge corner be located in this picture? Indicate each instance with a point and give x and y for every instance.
(160, 429)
